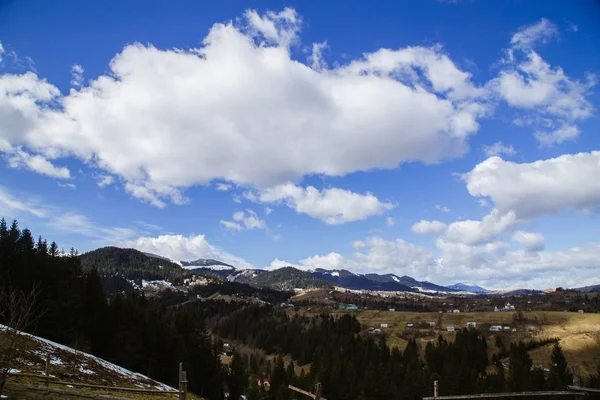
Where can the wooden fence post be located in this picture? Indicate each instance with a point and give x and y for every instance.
(182, 383)
(436, 389)
(47, 370)
(318, 390)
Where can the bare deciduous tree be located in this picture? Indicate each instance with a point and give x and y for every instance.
(17, 313)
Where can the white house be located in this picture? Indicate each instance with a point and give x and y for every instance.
(384, 325)
(392, 309)
(495, 328)
(506, 328)
(432, 324)
(455, 311)
(451, 328)
(508, 307)
(410, 325)
(496, 309)
(471, 325)
(580, 311)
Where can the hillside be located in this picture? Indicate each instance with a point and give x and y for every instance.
(288, 278)
(205, 262)
(131, 264)
(468, 288)
(70, 365)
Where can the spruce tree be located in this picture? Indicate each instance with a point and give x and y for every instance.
(237, 380)
(559, 377)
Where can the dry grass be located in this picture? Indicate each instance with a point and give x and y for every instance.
(70, 367)
(579, 334)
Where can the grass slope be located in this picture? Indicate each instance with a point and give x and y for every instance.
(72, 365)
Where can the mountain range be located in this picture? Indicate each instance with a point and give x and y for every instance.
(133, 264)
(289, 278)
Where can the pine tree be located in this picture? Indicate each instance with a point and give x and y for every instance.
(559, 377)
(519, 373)
(238, 379)
(3, 229)
(53, 252)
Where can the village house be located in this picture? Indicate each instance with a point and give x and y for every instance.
(383, 325)
(431, 324)
(409, 325)
(451, 328)
(495, 328)
(471, 325)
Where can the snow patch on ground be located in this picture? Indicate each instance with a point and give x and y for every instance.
(335, 273)
(156, 285)
(48, 345)
(213, 267)
(396, 279)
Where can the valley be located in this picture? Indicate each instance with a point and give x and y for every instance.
(254, 332)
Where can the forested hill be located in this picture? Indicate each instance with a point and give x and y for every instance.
(131, 264)
(288, 278)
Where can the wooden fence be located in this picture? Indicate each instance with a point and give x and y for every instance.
(573, 391)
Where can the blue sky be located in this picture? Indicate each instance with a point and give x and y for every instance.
(449, 141)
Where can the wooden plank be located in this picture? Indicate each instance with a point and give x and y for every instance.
(123, 389)
(583, 389)
(304, 392)
(508, 395)
(80, 395)
(29, 375)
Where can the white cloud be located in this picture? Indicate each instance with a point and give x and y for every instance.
(540, 187)
(573, 27)
(67, 185)
(268, 211)
(247, 218)
(37, 163)
(223, 187)
(77, 75)
(427, 227)
(13, 207)
(105, 180)
(378, 255)
(331, 205)
(527, 36)
(358, 244)
(442, 208)
(530, 83)
(560, 135)
(476, 232)
(154, 106)
(389, 221)
(232, 226)
(1, 51)
(329, 261)
(145, 194)
(79, 224)
(483, 203)
(498, 149)
(532, 241)
(184, 248)
(493, 264)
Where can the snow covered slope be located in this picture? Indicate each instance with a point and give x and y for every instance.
(75, 366)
